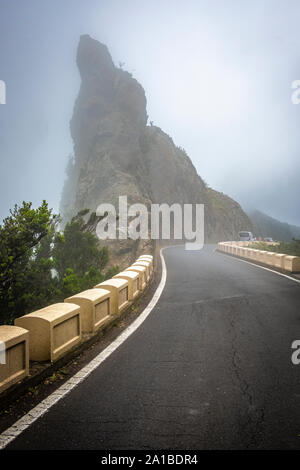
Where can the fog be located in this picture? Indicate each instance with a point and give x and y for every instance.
(217, 76)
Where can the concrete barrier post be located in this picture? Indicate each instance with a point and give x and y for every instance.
(53, 331)
(261, 256)
(150, 261)
(133, 282)
(150, 257)
(279, 260)
(270, 258)
(94, 306)
(142, 275)
(254, 254)
(147, 266)
(119, 293)
(292, 264)
(235, 249)
(14, 356)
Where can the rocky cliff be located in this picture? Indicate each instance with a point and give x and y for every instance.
(117, 153)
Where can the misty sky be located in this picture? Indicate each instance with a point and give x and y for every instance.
(217, 76)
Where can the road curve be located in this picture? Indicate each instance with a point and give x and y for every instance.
(210, 368)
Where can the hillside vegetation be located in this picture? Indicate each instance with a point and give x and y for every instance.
(41, 265)
(266, 226)
(290, 248)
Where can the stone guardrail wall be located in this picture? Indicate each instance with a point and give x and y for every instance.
(51, 332)
(280, 261)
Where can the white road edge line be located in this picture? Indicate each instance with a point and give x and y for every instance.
(259, 266)
(23, 423)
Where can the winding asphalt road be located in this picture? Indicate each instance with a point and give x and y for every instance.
(210, 368)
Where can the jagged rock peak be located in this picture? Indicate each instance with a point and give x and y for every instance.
(117, 153)
(93, 58)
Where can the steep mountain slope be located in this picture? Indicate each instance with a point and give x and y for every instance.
(117, 153)
(228, 213)
(266, 226)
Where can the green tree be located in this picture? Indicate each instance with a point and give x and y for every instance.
(21, 236)
(78, 249)
(41, 265)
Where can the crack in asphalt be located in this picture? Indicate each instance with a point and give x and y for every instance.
(255, 417)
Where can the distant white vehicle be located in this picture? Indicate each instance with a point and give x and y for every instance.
(246, 236)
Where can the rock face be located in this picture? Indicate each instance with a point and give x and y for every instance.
(117, 153)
